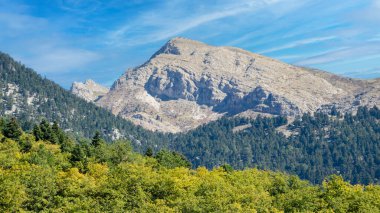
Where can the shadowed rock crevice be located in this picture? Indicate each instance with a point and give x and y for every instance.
(258, 101)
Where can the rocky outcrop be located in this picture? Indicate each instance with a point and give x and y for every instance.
(89, 90)
(188, 83)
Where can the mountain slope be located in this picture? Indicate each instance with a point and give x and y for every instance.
(29, 97)
(188, 83)
(321, 145)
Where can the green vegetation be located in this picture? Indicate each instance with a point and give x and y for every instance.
(324, 144)
(321, 145)
(58, 174)
(37, 98)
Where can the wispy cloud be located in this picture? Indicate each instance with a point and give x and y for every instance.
(367, 73)
(80, 6)
(375, 38)
(164, 28)
(61, 60)
(289, 57)
(298, 21)
(15, 23)
(43, 48)
(295, 58)
(371, 13)
(350, 53)
(298, 43)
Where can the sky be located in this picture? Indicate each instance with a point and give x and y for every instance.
(75, 40)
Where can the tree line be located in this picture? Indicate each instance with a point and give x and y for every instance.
(47, 170)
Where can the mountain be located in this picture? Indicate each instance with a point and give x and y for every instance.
(320, 144)
(188, 83)
(89, 90)
(29, 97)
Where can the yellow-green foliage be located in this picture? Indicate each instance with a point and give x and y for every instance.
(113, 179)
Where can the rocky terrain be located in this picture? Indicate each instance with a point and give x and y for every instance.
(89, 90)
(188, 83)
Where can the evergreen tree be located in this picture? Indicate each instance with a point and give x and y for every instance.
(12, 129)
(97, 140)
(37, 132)
(56, 128)
(2, 124)
(47, 132)
(149, 152)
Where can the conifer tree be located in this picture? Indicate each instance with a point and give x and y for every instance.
(12, 129)
(149, 152)
(97, 139)
(55, 128)
(37, 133)
(47, 132)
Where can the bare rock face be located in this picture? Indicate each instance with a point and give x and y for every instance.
(188, 83)
(89, 90)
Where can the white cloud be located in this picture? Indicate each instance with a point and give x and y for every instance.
(298, 43)
(370, 73)
(80, 6)
(368, 16)
(374, 38)
(61, 60)
(161, 28)
(12, 23)
(304, 56)
(288, 57)
(39, 44)
(359, 52)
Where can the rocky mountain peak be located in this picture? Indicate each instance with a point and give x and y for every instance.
(90, 82)
(188, 83)
(180, 46)
(89, 90)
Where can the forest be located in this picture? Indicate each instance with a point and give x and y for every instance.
(47, 170)
(37, 98)
(318, 145)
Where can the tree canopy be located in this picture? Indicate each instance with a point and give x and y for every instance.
(111, 177)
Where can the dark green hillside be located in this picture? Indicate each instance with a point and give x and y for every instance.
(38, 98)
(321, 145)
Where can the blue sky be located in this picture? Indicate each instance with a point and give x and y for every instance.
(73, 40)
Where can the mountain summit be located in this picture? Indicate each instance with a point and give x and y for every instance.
(89, 90)
(188, 83)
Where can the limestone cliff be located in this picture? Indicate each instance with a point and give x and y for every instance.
(89, 90)
(188, 83)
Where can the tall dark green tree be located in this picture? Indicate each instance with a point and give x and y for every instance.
(37, 132)
(149, 152)
(12, 129)
(47, 132)
(55, 128)
(97, 140)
